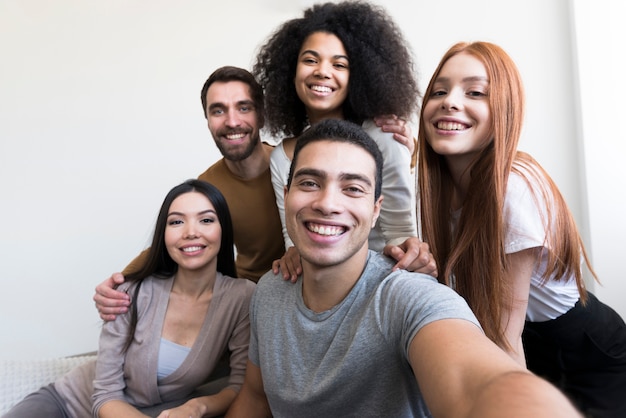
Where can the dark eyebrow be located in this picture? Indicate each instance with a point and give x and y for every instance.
(322, 174)
(249, 103)
(204, 212)
(310, 172)
(316, 54)
(357, 177)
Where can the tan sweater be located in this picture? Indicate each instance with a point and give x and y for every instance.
(133, 377)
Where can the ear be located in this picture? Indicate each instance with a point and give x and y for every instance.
(376, 214)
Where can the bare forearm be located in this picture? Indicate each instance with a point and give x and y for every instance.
(216, 405)
(246, 405)
(521, 395)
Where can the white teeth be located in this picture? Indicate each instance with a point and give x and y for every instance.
(326, 230)
(450, 126)
(191, 249)
(321, 89)
(235, 136)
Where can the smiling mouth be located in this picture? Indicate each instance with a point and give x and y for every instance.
(192, 249)
(326, 230)
(235, 136)
(451, 126)
(321, 89)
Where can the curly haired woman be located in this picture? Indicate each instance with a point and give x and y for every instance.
(345, 60)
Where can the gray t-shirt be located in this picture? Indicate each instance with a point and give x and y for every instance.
(352, 360)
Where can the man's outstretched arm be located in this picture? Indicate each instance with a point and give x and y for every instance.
(251, 401)
(462, 373)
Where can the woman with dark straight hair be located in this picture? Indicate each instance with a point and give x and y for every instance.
(188, 311)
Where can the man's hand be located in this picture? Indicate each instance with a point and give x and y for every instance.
(109, 301)
(289, 264)
(412, 255)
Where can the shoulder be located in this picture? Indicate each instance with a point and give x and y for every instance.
(387, 144)
(524, 191)
(272, 287)
(412, 285)
(216, 171)
(149, 285)
(278, 157)
(152, 293)
(269, 280)
(234, 291)
(421, 298)
(375, 132)
(238, 285)
(517, 184)
(378, 262)
(414, 288)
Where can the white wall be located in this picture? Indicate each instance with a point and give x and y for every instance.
(600, 35)
(100, 116)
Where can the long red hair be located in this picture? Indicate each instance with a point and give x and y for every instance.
(473, 258)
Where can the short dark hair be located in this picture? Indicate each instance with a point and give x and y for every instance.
(230, 73)
(337, 130)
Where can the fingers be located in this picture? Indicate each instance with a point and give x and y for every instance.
(111, 302)
(107, 318)
(400, 129)
(413, 255)
(390, 120)
(293, 268)
(289, 265)
(275, 266)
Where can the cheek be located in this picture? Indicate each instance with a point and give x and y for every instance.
(170, 238)
(292, 205)
(343, 77)
(300, 75)
(217, 235)
(429, 109)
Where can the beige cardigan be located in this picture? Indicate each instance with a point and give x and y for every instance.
(133, 377)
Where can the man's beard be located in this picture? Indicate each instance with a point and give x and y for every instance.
(238, 155)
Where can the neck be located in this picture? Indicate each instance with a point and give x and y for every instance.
(460, 173)
(325, 287)
(253, 166)
(318, 116)
(194, 283)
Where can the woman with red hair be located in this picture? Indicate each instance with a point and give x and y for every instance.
(503, 236)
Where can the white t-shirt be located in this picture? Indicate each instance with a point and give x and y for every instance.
(525, 218)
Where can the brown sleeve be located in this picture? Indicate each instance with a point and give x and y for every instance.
(137, 262)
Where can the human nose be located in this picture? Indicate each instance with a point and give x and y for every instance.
(327, 201)
(232, 120)
(451, 101)
(322, 70)
(190, 231)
